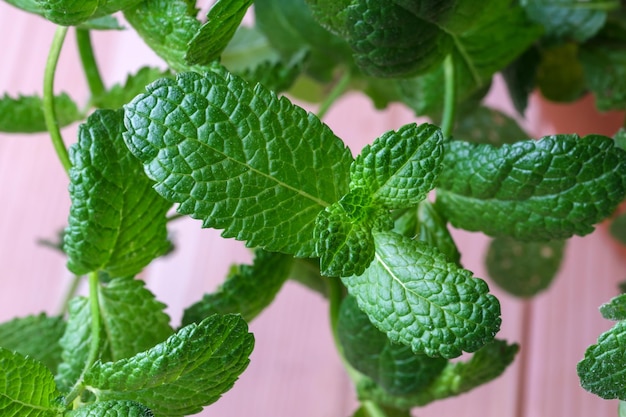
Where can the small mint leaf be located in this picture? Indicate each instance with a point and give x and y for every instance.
(26, 387)
(615, 309)
(119, 94)
(400, 168)
(419, 298)
(548, 189)
(486, 125)
(25, 113)
(111, 409)
(238, 158)
(178, 377)
(248, 289)
(604, 64)
(519, 77)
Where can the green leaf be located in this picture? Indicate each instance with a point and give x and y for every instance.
(560, 75)
(615, 309)
(111, 409)
(68, 12)
(120, 94)
(604, 64)
(35, 336)
(25, 113)
(486, 125)
(419, 298)
(601, 372)
(371, 410)
(248, 289)
(191, 369)
(238, 158)
(307, 272)
(519, 77)
(620, 138)
(223, 19)
(30, 6)
(618, 228)
(102, 23)
(548, 189)
(394, 367)
(524, 269)
(399, 168)
(26, 387)
(117, 222)
(456, 378)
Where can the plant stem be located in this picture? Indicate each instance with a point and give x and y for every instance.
(449, 104)
(48, 98)
(71, 292)
(90, 66)
(334, 94)
(94, 345)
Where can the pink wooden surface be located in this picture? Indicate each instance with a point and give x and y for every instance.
(294, 368)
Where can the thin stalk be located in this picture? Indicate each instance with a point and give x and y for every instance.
(71, 292)
(334, 94)
(449, 104)
(88, 59)
(94, 346)
(48, 98)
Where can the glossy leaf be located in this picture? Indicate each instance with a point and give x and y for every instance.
(419, 298)
(25, 113)
(111, 409)
(117, 221)
(615, 309)
(238, 158)
(548, 189)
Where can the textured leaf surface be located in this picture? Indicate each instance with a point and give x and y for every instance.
(191, 369)
(35, 336)
(524, 269)
(68, 12)
(248, 289)
(548, 189)
(602, 369)
(239, 159)
(486, 125)
(615, 309)
(393, 366)
(412, 293)
(25, 114)
(112, 409)
(26, 387)
(117, 221)
(604, 64)
(120, 94)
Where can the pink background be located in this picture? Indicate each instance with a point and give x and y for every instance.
(294, 370)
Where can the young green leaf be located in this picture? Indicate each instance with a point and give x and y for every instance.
(119, 94)
(248, 289)
(223, 19)
(25, 113)
(111, 409)
(399, 168)
(548, 189)
(178, 377)
(117, 221)
(238, 158)
(524, 269)
(26, 387)
(35, 336)
(394, 367)
(602, 369)
(419, 298)
(614, 309)
(486, 125)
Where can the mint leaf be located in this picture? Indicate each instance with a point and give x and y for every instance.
(486, 125)
(524, 269)
(560, 74)
(419, 298)
(120, 94)
(615, 309)
(393, 366)
(604, 64)
(601, 371)
(26, 387)
(399, 168)
(238, 158)
(117, 222)
(519, 77)
(35, 336)
(209, 41)
(25, 113)
(548, 189)
(191, 369)
(31, 6)
(618, 228)
(68, 12)
(248, 289)
(111, 409)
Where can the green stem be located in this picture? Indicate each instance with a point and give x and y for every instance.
(334, 94)
(71, 292)
(90, 66)
(449, 105)
(48, 98)
(94, 345)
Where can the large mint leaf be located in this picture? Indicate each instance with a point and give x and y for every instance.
(602, 369)
(393, 366)
(548, 189)
(111, 409)
(25, 113)
(35, 336)
(238, 158)
(117, 221)
(419, 298)
(178, 377)
(26, 387)
(399, 168)
(248, 289)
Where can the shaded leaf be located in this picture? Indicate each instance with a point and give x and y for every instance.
(120, 94)
(486, 125)
(560, 75)
(25, 113)
(604, 64)
(618, 228)
(519, 77)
